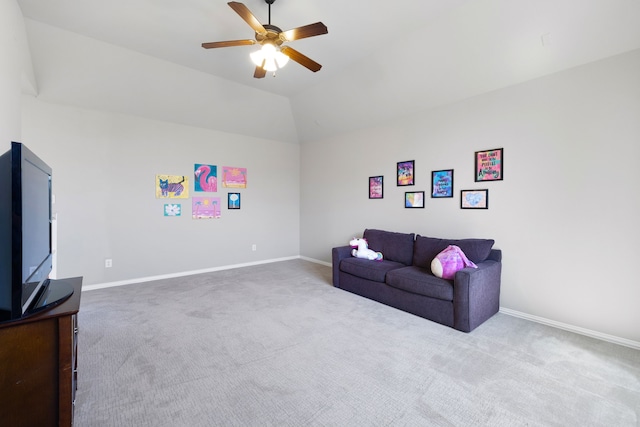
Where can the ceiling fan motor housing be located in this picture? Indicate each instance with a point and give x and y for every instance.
(272, 35)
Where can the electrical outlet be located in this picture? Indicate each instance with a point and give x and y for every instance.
(254, 247)
(108, 263)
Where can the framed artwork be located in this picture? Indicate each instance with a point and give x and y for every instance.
(442, 183)
(205, 207)
(414, 199)
(205, 177)
(233, 177)
(474, 199)
(233, 201)
(489, 165)
(173, 209)
(376, 187)
(405, 172)
(172, 187)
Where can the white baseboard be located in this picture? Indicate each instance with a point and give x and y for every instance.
(317, 261)
(181, 274)
(571, 328)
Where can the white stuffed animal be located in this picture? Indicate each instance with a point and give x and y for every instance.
(363, 250)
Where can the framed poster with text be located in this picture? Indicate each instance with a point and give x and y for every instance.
(489, 165)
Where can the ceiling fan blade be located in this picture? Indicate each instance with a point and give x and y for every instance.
(300, 58)
(260, 72)
(303, 32)
(228, 43)
(246, 14)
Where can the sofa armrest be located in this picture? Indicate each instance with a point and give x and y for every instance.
(476, 294)
(337, 255)
(495, 255)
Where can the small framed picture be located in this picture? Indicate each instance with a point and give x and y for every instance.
(233, 201)
(414, 199)
(405, 173)
(474, 199)
(489, 165)
(376, 187)
(442, 183)
(173, 209)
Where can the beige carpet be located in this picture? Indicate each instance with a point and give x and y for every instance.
(277, 345)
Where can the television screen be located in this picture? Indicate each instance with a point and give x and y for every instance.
(36, 227)
(25, 231)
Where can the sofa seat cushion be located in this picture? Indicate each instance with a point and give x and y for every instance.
(368, 269)
(420, 281)
(394, 246)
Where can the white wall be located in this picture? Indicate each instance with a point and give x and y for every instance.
(72, 69)
(13, 55)
(105, 118)
(565, 215)
(104, 167)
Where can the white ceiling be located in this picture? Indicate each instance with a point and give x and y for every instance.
(381, 58)
(175, 29)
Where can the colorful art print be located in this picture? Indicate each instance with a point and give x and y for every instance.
(489, 165)
(205, 207)
(172, 187)
(206, 177)
(405, 172)
(376, 187)
(414, 199)
(233, 201)
(442, 183)
(474, 199)
(173, 209)
(234, 177)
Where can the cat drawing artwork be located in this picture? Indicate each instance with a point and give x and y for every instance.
(172, 187)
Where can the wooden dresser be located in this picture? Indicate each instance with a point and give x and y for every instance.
(38, 365)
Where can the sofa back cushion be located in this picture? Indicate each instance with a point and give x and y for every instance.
(394, 246)
(426, 249)
(477, 250)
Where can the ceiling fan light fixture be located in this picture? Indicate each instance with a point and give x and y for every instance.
(270, 64)
(270, 56)
(281, 59)
(257, 57)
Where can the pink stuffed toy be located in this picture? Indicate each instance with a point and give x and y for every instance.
(450, 260)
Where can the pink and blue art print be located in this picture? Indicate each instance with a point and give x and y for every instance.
(414, 199)
(474, 199)
(205, 207)
(405, 172)
(375, 187)
(206, 178)
(489, 165)
(442, 183)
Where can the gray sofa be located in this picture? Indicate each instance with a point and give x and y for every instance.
(403, 279)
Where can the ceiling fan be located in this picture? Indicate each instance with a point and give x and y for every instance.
(272, 55)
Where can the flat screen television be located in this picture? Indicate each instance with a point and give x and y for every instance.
(25, 235)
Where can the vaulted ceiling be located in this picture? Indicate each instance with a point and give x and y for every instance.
(381, 59)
